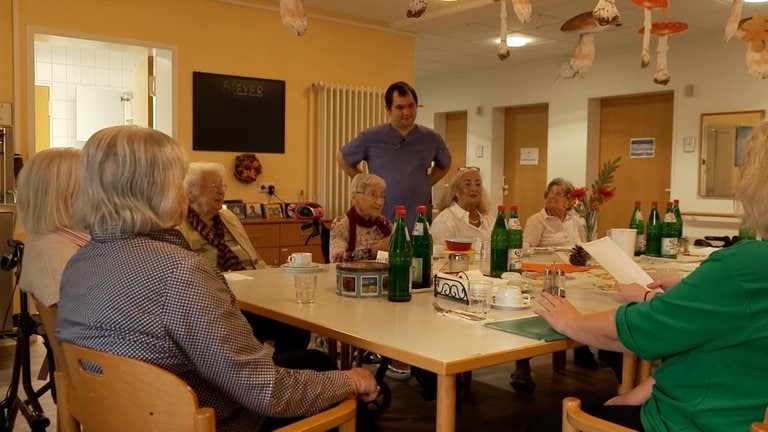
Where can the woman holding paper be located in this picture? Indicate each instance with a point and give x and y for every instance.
(709, 329)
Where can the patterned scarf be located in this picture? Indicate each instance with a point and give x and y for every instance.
(355, 219)
(226, 260)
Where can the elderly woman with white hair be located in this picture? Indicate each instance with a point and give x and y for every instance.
(465, 208)
(362, 231)
(136, 290)
(212, 230)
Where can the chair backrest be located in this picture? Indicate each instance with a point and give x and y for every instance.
(575, 420)
(48, 317)
(106, 392)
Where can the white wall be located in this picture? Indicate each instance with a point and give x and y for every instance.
(716, 69)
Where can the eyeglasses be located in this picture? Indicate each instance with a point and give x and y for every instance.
(465, 169)
(372, 195)
(215, 187)
(555, 194)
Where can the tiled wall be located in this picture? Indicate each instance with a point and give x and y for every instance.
(63, 68)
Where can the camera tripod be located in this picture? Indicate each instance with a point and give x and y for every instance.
(26, 326)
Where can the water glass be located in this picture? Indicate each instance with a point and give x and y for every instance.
(305, 285)
(480, 297)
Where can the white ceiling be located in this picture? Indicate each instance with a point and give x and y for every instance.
(455, 37)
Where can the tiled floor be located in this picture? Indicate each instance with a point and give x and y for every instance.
(490, 406)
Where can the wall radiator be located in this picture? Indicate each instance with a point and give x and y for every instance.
(337, 113)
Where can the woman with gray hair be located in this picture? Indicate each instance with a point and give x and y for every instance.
(555, 224)
(212, 230)
(136, 290)
(465, 208)
(362, 231)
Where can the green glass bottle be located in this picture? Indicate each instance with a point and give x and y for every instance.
(515, 239)
(422, 250)
(653, 232)
(499, 248)
(400, 260)
(678, 219)
(636, 222)
(669, 233)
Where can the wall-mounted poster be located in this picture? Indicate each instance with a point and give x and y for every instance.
(642, 147)
(237, 114)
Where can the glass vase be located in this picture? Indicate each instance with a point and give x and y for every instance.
(590, 225)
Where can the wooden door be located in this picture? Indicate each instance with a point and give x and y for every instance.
(456, 141)
(525, 127)
(646, 179)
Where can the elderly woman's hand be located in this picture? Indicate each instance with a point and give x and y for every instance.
(557, 311)
(381, 245)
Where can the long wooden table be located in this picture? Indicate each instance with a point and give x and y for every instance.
(410, 332)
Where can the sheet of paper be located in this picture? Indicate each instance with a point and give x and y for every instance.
(616, 262)
(233, 276)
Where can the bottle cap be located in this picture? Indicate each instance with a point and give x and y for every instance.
(421, 209)
(677, 201)
(399, 207)
(653, 203)
(400, 211)
(637, 202)
(501, 207)
(513, 207)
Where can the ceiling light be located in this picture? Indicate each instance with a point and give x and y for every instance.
(747, 1)
(518, 41)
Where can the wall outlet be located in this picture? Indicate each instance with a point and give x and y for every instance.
(265, 187)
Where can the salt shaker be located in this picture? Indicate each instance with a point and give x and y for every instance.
(548, 282)
(559, 285)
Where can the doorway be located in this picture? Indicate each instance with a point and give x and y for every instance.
(638, 178)
(136, 78)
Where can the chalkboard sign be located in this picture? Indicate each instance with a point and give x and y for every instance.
(237, 114)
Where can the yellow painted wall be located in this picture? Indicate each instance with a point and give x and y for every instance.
(6, 51)
(228, 39)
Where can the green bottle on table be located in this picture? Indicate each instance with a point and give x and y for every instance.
(515, 239)
(636, 222)
(499, 244)
(678, 219)
(669, 233)
(400, 260)
(653, 232)
(422, 250)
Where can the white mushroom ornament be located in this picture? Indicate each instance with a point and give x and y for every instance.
(732, 25)
(663, 30)
(416, 8)
(523, 10)
(585, 26)
(606, 12)
(293, 16)
(755, 31)
(503, 51)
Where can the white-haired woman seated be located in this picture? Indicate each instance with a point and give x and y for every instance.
(212, 230)
(464, 208)
(362, 231)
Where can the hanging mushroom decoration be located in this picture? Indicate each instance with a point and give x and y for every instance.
(523, 10)
(293, 16)
(503, 51)
(732, 25)
(663, 30)
(606, 12)
(585, 26)
(755, 31)
(648, 5)
(416, 8)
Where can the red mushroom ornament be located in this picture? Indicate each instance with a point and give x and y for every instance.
(648, 5)
(662, 30)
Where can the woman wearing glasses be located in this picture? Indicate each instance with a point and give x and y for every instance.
(210, 229)
(555, 225)
(362, 232)
(215, 233)
(464, 208)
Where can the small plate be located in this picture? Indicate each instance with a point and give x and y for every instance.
(510, 307)
(306, 269)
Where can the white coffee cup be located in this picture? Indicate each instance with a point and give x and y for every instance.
(512, 296)
(300, 259)
(625, 238)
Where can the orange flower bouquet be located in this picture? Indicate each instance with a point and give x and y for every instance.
(589, 201)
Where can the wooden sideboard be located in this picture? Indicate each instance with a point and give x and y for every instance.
(276, 239)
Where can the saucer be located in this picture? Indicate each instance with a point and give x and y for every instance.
(509, 307)
(303, 269)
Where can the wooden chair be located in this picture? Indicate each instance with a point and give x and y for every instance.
(130, 394)
(634, 371)
(760, 426)
(575, 420)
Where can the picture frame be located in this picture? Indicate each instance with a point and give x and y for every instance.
(290, 210)
(253, 211)
(273, 210)
(238, 209)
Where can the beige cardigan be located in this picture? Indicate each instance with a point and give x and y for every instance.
(238, 232)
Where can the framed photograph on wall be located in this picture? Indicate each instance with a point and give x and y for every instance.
(238, 209)
(253, 211)
(273, 210)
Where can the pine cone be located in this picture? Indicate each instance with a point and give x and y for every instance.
(578, 256)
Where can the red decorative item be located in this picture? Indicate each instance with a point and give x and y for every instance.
(247, 168)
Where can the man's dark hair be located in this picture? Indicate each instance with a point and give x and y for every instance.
(402, 89)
